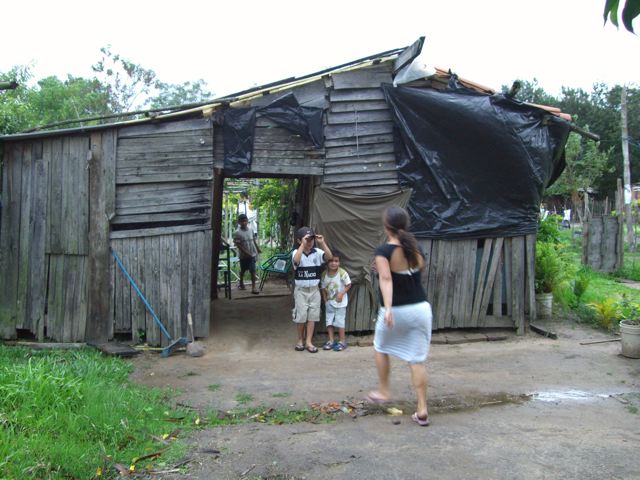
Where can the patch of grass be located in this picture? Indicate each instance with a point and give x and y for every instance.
(214, 387)
(281, 395)
(632, 409)
(67, 414)
(244, 398)
(630, 271)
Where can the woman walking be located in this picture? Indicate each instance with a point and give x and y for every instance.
(403, 327)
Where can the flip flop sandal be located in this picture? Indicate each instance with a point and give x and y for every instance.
(328, 345)
(241, 287)
(299, 348)
(312, 349)
(374, 397)
(422, 422)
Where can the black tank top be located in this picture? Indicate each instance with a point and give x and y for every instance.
(407, 286)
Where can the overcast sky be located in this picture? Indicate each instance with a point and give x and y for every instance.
(233, 45)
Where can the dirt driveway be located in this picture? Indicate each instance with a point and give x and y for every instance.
(527, 407)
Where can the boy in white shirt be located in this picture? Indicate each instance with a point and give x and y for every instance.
(334, 285)
(307, 263)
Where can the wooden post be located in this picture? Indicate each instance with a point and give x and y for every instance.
(101, 174)
(216, 227)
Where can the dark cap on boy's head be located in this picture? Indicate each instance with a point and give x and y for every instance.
(242, 216)
(304, 231)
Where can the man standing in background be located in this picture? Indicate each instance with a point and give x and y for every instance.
(248, 250)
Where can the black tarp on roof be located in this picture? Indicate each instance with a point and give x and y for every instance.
(239, 126)
(477, 163)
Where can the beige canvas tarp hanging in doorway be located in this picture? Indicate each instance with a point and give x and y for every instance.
(352, 224)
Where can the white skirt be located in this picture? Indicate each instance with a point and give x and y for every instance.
(410, 337)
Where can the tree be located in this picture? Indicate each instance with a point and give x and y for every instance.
(630, 11)
(585, 163)
(532, 92)
(274, 198)
(127, 83)
(55, 100)
(171, 95)
(130, 86)
(49, 100)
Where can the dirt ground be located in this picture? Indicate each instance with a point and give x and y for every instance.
(522, 407)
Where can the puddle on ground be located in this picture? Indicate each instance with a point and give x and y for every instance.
(458, 403)
(556, 396)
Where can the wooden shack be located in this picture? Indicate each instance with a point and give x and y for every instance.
(150, 191)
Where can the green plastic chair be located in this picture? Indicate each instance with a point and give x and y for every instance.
(278, 264)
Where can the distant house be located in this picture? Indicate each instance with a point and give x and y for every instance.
(469, 164)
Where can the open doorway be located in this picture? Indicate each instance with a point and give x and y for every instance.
(275, 207)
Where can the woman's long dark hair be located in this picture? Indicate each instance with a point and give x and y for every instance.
(397, 220)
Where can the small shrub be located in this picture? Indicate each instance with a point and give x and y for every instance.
(550, 267)
(581, 282)
(606, 313)
(549, 230)
(629, 310)
(586, 314)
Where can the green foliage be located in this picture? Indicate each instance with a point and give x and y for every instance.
(581, 282)
(274, 197)
(550, 268)
(532, 92)
(130, 86)
(65, 414)
(630, 271)
(549, 230)
(606, 312)
(15, 114)
(171, 95)
(630, 11)
(551, 264)
(585, 164)
(629, 310)
(127, 84)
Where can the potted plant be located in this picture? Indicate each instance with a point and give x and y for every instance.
(549, 273)
(630, 328)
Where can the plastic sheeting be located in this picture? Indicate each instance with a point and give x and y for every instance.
(239, 126)
(238, 132)
(477, 164)
(353, 224)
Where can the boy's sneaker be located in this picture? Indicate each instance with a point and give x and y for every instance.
(328, 345)
(338, 347)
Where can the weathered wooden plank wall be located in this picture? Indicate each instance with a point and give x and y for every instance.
(277, 151)
(480, 283)
(10, 237)
(163, 178)
(102, 167)
(68, 238)
(468, 284)
(172, 271)
(359, 133)
(45, 219)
